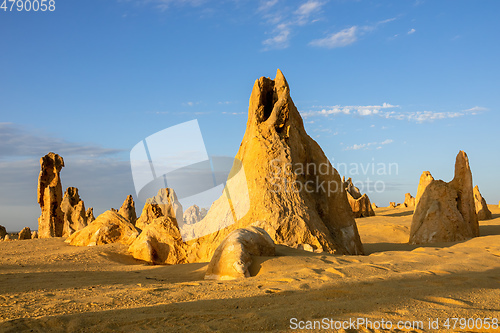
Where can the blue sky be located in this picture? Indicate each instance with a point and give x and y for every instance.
(406, 82)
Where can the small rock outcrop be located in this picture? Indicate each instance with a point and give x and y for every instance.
(165, 203)
(3, 231)
(89, 215)
(291, 184)
(360, 204)
(409, 201)
(233, 256)
(194, 215)
(482, 210)
(34, 235)
(127, 210)
(374, 206)
(73, 210)
(7, 238)
(50, 222)
(25, 234)
(393, 204)
(445, 212)
(160, 242)
(109, 227)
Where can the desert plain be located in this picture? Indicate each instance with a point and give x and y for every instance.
(49, 285)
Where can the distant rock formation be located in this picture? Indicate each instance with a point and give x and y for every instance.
(73, 210)
(160, 243)
(194, 215)
(89, 215)
(7, 238)
(409, 201)
(165, 203)
(50, 222)
(393, 204)
(34, 235)
(445, 212)
(292, 187)
(109, 227)
(374, 206)
(482, 210)
(233, 256)
(3, 231)
(127, 210)
(24, 234)
(360, 204)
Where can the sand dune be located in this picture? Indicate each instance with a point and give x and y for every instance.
(47, 285)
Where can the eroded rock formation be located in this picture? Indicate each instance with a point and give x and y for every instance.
(445, 212)
(283, 179)
(233, 256)
(194, 215)
(34, 235)
(50, 222)
(127, 210)
(89, 215)
(73, 210)
(482, 210)
(409, 201)
(3, 231)
(109, 227)
(25, 234)
(165, 203)
(160, 243)
(360, 204)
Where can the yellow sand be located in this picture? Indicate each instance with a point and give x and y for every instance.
(47, 285)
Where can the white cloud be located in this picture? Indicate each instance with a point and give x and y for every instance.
(412, 31)
(385, 111)
(338, 39)
(166, 4)
(359, 110)
(347, 36)
(280, 40)
(286, 20)
(266, 5)
(369, 145)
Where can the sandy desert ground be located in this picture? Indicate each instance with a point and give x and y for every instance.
(48, 285)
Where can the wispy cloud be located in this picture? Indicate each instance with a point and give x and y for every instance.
(389, 111)
(338, 39)
(285, 20)
(369, 145)
(16, 141)
(412, 31)
(346, 36)
(166, 4)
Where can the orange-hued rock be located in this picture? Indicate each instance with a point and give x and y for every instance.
(3, 231)
(482, 210)
(409, 201)
(89, 215)
(73, 209)
(24, 234)
(165, 203)
(360, 204)
(425, 179)
(109, 227)
(127, 210)
(288, 183)
(34, 235)
(49, 193)
(160, 243)
(233, 256)
(446, 211)
(393, 204)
